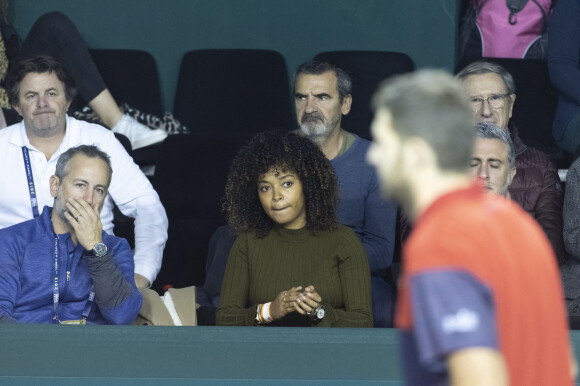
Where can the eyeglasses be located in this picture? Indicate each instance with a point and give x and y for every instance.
(495, 101)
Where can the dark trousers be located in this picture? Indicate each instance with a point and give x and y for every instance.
(55, 35)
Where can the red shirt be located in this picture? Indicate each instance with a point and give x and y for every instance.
(479, 271)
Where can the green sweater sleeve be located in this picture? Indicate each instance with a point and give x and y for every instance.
(355, 280)
(232, 309)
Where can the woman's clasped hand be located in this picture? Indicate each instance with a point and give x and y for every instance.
(304, 301)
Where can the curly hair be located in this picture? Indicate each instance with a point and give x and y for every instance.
(285, 151)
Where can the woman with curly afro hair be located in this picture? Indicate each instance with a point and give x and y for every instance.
(292, 264)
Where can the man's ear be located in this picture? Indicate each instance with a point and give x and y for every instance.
(513, 100)
(419, 153)
(346, 103)
(512, 175)
(54, 183)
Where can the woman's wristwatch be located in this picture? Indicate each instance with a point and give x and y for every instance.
(317, 314)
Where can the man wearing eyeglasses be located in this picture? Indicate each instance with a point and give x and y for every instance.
(536, 186)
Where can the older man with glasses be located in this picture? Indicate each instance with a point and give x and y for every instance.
(536, 186)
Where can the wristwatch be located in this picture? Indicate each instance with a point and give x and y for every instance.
(258, 319)
(99, 250)
(317, 314)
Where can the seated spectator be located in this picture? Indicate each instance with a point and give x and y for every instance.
(55, 35)
(571, 270)
(493, 159)
(208, 295)
(322, 95)
(536, 187)
(492, 162)
(564, 67)
(62, 267)
(41, 91)
(292, 263)
(572, 211)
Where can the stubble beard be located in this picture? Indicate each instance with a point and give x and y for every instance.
(45, 127)
(398, 192)
(314, 127)
(504, 191)
(396, 187)
(60, 208)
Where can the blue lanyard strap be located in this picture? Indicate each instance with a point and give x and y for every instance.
(55, 292)
(31, 188)
(89, 304)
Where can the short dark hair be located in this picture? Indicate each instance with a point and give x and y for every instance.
(482, 67)
(38, 64)
(491, 131)
(90, 151)
(288, 152)
(430, 104)
(317, 67)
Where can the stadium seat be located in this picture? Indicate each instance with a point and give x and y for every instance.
(190, 179)
(367, 69)
(233, 92)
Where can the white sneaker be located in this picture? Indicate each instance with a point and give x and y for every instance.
(139, 135)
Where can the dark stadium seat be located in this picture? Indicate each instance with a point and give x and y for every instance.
(233, 92)
(190, 178)
(367, 69)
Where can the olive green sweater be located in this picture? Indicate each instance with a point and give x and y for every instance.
(333, 261)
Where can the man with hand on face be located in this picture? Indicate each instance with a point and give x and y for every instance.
(61, 267)
(493, 159)
(322, 95)
(41, 91)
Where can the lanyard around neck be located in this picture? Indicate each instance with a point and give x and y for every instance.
(31, 188)
(55, 292)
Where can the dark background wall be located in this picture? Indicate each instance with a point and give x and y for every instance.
(423, 29)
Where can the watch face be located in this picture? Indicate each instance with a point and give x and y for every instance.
(100, 249)
(320, 313)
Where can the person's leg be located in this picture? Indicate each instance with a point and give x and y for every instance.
(54, 34)
(383, 301)
(139, 135)
(101, 105)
